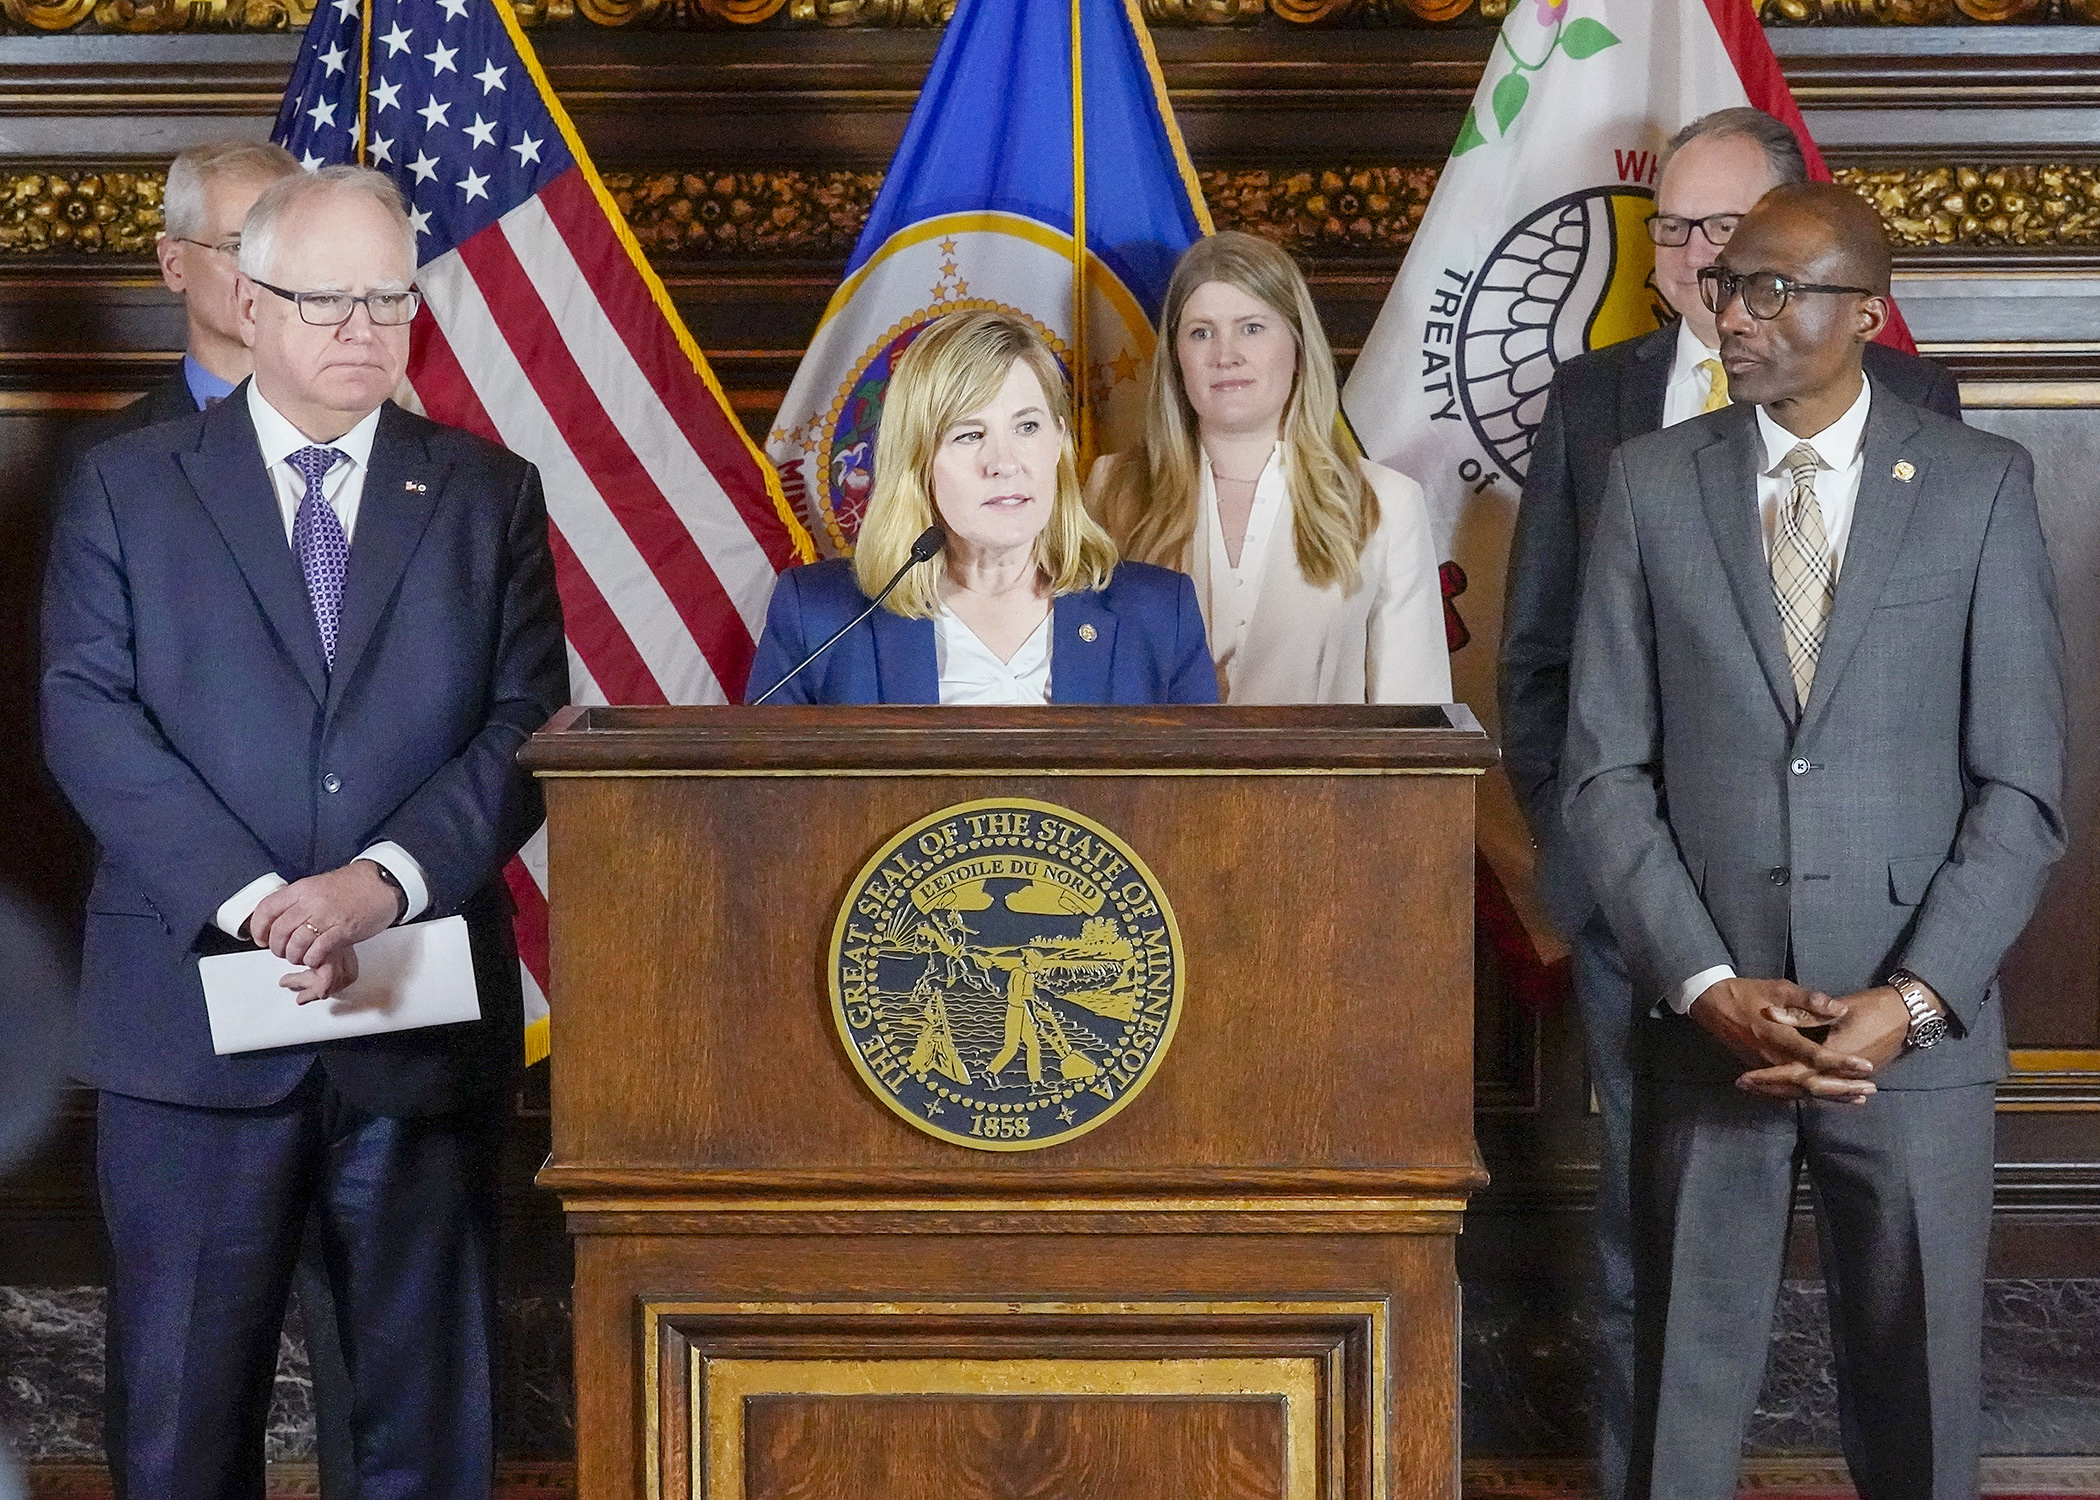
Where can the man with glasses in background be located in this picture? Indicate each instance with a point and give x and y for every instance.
(292, 645)
(210, 189)
(1814, 772)
(1713, 172)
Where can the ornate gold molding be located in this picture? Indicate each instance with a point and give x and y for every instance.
(1926, 12)
(79, 212)
(1983, 205)
(1342, 212)
(280, 15)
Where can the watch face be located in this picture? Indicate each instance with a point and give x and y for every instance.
(1928, 1031)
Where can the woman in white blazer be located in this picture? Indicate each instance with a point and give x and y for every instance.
(1314, 567)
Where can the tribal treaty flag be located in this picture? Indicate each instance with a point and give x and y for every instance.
(1534, 249)
(1008, 161)
(545, 330)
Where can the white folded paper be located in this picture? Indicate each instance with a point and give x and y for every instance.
(407, 977)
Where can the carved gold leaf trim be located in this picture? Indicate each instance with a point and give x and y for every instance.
(79, 212)
(280, 15)
(1983, 205)
(1344, 211)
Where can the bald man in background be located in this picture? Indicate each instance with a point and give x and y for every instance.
(1814, 773)
(1714, 171)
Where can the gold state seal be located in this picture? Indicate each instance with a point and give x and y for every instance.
(1006, 974)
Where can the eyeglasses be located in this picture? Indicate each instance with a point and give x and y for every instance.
(230, 247)
(333, 309)
(1668, 229)
(1765, 293)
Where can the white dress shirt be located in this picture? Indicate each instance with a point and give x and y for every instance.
(1278, 639)
(343, 487)
(1840, 458)
(972, 675)
(1685, 396)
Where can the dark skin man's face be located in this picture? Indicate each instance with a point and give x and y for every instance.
(1802, 366)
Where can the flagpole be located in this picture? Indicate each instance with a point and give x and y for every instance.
(364, 73)
(1082, 416)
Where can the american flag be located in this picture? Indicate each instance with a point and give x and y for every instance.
(545, 330)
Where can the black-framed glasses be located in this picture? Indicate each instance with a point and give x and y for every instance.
(1765, 293)
(1668, 229)
(230, 247)
(333, 309)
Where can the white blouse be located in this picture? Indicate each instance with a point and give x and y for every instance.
(973, 676)
(1277, 639)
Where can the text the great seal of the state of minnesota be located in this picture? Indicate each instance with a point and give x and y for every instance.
(1006, 974)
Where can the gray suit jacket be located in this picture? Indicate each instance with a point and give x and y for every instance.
(1597, 401)
(1906, 816)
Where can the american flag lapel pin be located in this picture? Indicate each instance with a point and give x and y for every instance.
(1904, 470)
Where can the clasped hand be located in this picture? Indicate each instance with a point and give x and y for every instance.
(1766, 1022)
(319, 921)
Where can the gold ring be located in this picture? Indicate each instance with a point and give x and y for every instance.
(311, 928)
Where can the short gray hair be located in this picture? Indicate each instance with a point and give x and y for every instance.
(1781, 146)
(182, 201)
(259, 233)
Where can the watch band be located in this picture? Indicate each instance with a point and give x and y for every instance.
(400, 894)
(1928, 1028)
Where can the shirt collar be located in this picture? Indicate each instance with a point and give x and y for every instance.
(1690, 352)
(202, 383)
(1836, 445)
(279, 439)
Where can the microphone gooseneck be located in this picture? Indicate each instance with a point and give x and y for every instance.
(927, 547)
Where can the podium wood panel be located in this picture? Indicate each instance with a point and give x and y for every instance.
(876, 1448)
(764, 1249)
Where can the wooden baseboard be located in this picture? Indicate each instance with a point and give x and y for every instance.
(1485, 1479)
(1567, 1478)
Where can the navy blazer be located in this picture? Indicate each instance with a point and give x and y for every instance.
(1146, 644)
(192, 721)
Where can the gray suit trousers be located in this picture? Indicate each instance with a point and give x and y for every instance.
(1604, 995)
(1902, 1189)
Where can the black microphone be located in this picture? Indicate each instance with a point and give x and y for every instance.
(925, 549)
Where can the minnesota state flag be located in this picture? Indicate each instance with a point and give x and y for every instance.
(1012, 160)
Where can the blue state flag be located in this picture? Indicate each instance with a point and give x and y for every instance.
(1008, 164)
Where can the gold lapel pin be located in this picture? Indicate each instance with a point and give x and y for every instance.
(1905, 470)
(1088, 632)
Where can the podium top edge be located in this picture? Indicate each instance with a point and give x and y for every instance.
(901, 738)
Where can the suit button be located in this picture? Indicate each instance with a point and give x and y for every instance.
(1777, 876)
(1799, 768)
(331, 782)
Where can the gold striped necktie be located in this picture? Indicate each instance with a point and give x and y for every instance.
(1802, 578)
(1717, 387)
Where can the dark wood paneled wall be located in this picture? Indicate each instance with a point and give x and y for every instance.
(748, 154)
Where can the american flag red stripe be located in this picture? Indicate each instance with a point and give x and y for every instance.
(546, 330)
(621, 480)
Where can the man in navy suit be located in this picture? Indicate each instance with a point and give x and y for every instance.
(292, 646)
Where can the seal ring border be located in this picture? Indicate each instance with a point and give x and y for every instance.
(838, 1004)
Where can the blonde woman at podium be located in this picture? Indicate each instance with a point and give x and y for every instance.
(1314, 567)
(979, 578)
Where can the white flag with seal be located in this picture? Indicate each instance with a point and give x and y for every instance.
(1533, 250)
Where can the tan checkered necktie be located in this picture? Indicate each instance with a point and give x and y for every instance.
(1717, 386)
(1802, 579)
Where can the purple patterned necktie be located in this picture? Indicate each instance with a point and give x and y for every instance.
(317, 536)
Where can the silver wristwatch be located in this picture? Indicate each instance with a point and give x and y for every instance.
(1928, 1028)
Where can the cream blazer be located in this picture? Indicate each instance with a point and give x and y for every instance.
(1382, 643)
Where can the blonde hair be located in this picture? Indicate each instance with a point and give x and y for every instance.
(952, 369)
(1150, 496)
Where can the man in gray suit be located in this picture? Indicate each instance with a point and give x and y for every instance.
(1814, 773)
(1714, 171)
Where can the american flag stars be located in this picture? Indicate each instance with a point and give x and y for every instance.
(441, 111)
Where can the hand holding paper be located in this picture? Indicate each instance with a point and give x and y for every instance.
(400, 980)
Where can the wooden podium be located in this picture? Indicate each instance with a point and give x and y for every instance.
(1240, 1283)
